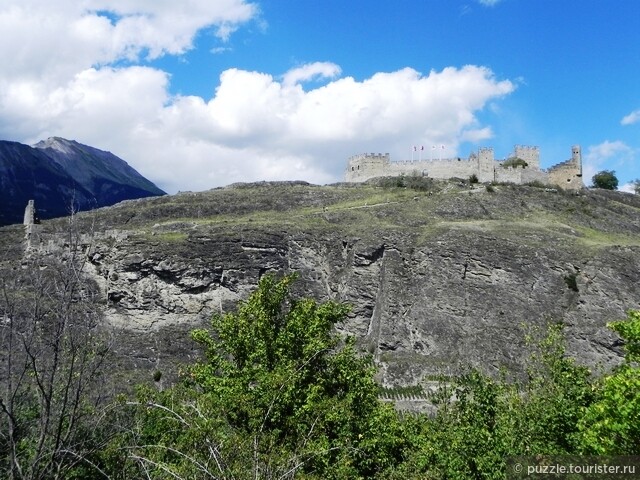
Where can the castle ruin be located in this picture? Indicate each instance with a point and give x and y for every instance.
(522, 166)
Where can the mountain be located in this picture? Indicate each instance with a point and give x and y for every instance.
(57, 173)
(438, 277)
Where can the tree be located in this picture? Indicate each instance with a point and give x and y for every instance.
(636, 186)
(482, 420)
(52, 351)
(278, 393)
(514, 162)
(605, 179)
(611, 425)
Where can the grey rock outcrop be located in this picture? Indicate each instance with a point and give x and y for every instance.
(436, 280)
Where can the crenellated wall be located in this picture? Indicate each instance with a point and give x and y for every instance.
(367, 165)
(568, 174)
(531, 155)
(483, 164)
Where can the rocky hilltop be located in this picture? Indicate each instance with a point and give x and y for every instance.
(58, 173)
(441, 276)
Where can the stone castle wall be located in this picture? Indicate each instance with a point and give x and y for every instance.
(30, 213)
(567, 174)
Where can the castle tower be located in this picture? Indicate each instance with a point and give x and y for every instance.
(30, 213)
(367, 165)
(568, 174)
(30, 219)
(531, 155)
(486, 165)
(576, 157)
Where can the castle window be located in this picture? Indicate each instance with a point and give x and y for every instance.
(358, 167)
(352, 169)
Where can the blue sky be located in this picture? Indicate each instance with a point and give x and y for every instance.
(202, 93)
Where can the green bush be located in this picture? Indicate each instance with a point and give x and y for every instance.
(611, 425)
(536, 184)
(277, 392)
(412, 182)
(514, 162)
(605, 179)
(482, 420)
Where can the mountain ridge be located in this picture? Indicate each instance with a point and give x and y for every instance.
(62, 174)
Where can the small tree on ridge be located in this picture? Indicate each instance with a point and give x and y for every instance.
(605, 179)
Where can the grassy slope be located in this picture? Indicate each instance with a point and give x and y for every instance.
(526, 214)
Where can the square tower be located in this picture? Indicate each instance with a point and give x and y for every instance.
(531, 155)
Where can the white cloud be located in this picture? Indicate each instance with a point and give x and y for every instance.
(605, 156)
(488, 3)
(628, 187)
(55, 40)
(255, 127)
(61, 73)
(310, 71)
(632, 118)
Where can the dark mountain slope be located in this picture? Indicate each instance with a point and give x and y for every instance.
(109, 178)
(58, 173)
(27, 173)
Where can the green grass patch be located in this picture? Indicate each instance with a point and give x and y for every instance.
(165, 237)
(597, 238)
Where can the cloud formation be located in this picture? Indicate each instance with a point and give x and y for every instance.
(256, 127)
(614, 154)
(75, 70)
(632, 118)
(310, 71)
(55, 40)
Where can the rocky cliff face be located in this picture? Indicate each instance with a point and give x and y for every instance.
(437, 279)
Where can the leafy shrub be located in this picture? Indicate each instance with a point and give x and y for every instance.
(402, 392)
(392, 182)
(514, 162)
(413, 182)
(611, 424)
(605, 179)
(278, 391)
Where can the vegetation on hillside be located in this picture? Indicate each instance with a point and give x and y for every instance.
(278, 394)
(605, 179)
